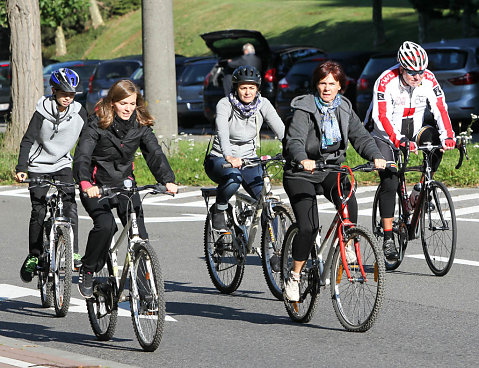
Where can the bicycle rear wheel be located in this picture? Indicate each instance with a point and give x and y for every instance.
(103, 308)
(62, 277)
(438, 229)
(399, 230)
(303, 310)
(271, 242)
(45, 283)
(357, 301)
(224, 261)
(147, 297)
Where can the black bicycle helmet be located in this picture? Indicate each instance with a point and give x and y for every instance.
(64, 79)
(246, 73)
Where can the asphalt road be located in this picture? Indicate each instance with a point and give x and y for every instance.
(426, 321)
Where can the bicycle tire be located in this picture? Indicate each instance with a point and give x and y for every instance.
(272, 238)
(147, 297)
(303, 310)
(224, 261)
(103, 307)
(438, 243)
(399, 230)
(62, 276)
(45, 283)
(357, 303)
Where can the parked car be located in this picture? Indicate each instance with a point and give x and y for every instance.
(5, 97)
(298, 79)
(455, 63)
(364, 87)
(276, 62)
(106, 73)
(84, 68)
(189, 90)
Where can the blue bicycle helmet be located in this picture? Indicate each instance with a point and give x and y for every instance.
(65, 80)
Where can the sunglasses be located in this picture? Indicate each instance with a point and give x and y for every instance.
(412, 73)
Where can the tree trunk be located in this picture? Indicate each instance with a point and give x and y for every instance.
(159, 66)
(26, 63)
(95, 15)
(60, 43)
(423, 19)
(379, 35)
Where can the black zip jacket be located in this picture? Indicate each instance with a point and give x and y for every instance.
(102, 158)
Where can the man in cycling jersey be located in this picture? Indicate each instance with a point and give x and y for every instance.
(400, 97)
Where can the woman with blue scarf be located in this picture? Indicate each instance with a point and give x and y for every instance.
(321, 127)
(239, 118)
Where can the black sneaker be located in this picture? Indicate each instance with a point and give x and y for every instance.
(390, 251)
(29, 267)
(85, 283)
(219, 220)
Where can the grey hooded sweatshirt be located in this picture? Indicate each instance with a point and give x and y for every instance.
(46, 145)
(303, 137)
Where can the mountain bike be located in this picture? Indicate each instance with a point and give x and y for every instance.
(141, 276)
(348, 259)
(433, 218)
(226, 252)
(55, 264)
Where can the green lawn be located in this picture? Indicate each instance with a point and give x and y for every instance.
(328, 24)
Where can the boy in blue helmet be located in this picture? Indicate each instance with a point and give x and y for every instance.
(45, 149)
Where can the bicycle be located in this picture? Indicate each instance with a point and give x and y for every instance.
(433, 217)
(353, 268)
(55, 264)
(141, 275)
(226, 252)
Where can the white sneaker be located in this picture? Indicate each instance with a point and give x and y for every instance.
(350, 252)
(291, 288)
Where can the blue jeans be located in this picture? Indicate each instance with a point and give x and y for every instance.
(229, 179)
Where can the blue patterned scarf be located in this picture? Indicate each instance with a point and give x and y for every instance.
(246, 111)
(329, 123)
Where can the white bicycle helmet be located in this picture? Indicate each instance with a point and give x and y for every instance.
(412, 57)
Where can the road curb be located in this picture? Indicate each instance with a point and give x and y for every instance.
(23, 350)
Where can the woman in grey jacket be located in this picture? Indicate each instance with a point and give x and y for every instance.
(321, 127)
(239, 118)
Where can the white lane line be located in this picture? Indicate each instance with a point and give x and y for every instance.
(443, 259)
(19, 363)
(77, 305)
(466, 210)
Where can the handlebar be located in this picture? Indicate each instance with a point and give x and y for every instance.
(45, 181)
(321, 166)
(111, 192)
(263, 160)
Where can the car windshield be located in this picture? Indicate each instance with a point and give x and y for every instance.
(377, 65)
(116, 70)
(446, 59)
(195, 73)
(301, 73)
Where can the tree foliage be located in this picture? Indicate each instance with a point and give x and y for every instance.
(3, 15)
(55, 12)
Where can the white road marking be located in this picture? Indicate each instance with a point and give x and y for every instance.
(19, 363)
(77, 305)
(443, 259)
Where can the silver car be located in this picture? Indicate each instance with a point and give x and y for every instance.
(455, 63)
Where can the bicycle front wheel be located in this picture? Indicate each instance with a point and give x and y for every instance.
(271, 242)
(62, 277)
(224, 261)
(438, 229)
(147, 297)
(103, 308)
(357, 300)
(303, 310)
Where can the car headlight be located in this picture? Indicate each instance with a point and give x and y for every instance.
(4, 106)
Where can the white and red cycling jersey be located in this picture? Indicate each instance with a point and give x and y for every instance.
(396, 105)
